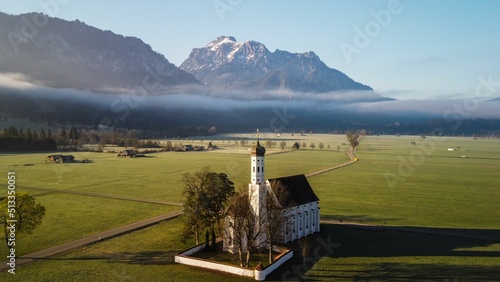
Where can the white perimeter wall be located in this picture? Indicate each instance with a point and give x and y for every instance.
(184, 258)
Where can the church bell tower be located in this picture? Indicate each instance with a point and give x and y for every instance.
(257, 188)
(257, 163)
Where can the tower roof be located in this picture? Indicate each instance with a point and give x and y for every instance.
(258, 150)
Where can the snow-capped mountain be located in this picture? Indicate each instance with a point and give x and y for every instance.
(227, 64)
(70, 54)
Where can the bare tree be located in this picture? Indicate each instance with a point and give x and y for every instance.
(243, 142)
(353, 139)
(304, 247)
(304, 145)
(269, 143)
(274, 217)
(244, 227)
(282, 145)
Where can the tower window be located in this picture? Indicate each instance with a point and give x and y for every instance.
(253, 169)
(258, 169)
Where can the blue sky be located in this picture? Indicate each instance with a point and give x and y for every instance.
(405, 49)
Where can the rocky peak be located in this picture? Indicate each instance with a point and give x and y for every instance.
(225, 63)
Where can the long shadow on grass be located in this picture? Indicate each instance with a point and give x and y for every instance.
(406, 272)
(362, 218)
(368, 253)
(143, 258)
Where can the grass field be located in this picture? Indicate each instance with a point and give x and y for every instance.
(144, 255)
(394, 256)
(156, 177)
(394, 183)
(438, 188)
(148, 255)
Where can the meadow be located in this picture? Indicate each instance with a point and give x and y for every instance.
(154, 177)
(394, 183)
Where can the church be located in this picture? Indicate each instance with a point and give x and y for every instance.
(293, 195)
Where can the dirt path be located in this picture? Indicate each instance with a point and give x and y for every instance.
(66, 247)
(352, 158)
(102, 196)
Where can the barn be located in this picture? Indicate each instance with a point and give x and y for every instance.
(61, 158)
(127, 153)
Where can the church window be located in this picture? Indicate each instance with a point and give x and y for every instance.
(253, 169)
(258, 169)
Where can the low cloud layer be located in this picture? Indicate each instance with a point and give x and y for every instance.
(336, 102)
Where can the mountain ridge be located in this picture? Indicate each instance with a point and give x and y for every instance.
(227, 64)
(72, 54)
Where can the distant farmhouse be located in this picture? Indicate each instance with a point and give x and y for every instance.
(189, 148)
(61, 159)
(299, 203)
(127, 153)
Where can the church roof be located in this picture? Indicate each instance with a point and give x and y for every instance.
(297, 191)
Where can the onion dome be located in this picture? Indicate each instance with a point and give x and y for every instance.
(258, 150)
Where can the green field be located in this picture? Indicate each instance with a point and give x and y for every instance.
(437, 188)
(394, 183)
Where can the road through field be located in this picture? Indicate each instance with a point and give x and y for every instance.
(352, 158)
(102, 195)
(63, 248)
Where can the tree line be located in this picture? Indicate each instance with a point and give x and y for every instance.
(13, 139)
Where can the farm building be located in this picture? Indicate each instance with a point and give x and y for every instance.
(127, 153)
(61, 158)
(293, 194)
(187, 148)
